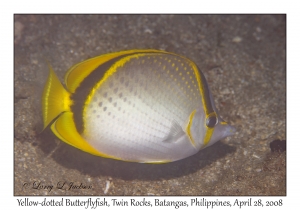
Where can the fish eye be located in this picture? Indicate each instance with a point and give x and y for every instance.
(211, 120)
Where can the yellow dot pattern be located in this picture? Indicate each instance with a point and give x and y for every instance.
(141, 101)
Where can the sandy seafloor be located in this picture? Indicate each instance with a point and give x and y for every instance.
(244, 60)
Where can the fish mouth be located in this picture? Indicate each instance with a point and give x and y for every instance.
(230, 131)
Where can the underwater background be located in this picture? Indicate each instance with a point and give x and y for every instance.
(244, 60)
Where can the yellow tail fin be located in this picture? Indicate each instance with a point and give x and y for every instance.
(56, 99)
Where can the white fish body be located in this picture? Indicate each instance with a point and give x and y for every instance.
(141, 105)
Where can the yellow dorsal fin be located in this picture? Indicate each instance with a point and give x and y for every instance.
(55, 98)
(78, 72)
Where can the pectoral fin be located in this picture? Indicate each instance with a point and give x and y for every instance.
(175, 132)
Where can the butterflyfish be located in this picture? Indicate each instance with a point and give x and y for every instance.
(147, 106)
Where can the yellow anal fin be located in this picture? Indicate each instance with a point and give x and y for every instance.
(64, 128)
(157, 162)
(55, 98)
(80, 71)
